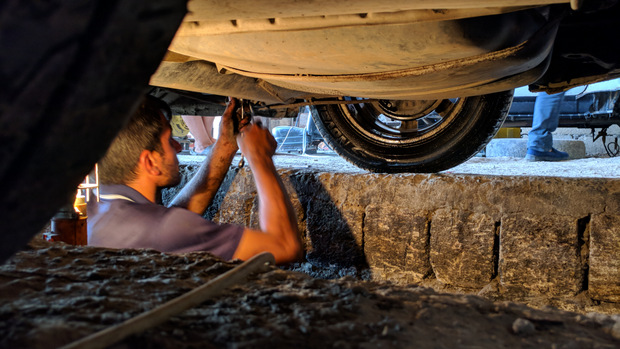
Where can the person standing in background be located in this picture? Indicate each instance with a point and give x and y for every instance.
(545, 121)
(201, 127)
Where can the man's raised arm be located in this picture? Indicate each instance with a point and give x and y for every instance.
(279, 234)
(199, 192)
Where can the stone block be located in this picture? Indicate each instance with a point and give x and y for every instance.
(461, 246)
(238, 208)
(540, 254)
(396, 242)
(236, 201)
(604, 276)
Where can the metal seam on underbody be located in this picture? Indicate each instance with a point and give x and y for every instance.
(251, 25)
(205, 10)
(267, 87)
(418, 71)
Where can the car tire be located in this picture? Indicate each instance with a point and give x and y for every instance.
(412, 136)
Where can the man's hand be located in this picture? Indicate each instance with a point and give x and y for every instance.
(227, 136)
(256, 142)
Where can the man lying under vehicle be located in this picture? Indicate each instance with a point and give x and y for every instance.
(143, 159)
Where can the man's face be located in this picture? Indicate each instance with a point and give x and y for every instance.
(169, 161)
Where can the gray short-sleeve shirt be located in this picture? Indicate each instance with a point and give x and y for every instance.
(124, 218)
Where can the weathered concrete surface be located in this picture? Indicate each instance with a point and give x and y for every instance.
(604, 276)
(55, 294)
(539, 240)
(540, 254)
(396, 243)
(462, 245)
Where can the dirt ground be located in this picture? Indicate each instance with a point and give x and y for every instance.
(54, 294)
(592, 167)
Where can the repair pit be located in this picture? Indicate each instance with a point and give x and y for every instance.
(54, 294)
(536, 240)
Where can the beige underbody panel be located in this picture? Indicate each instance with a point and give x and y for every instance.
(452, 79)
(444, 77)
(281, 50)
(358, 49)
(333, 51)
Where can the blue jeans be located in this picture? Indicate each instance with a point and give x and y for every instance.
(545, 121)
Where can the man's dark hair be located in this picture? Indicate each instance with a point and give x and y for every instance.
(142, 132)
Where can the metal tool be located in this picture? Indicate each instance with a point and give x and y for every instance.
(243, 116)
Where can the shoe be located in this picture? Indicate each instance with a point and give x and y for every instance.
(553, 155)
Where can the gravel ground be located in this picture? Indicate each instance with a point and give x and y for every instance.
(54, 294)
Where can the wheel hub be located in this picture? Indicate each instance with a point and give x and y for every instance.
(407, 110)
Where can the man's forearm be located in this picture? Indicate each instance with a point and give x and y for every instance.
(276, 212)
(200, 191)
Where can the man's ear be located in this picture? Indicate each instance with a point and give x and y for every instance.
(149, 163)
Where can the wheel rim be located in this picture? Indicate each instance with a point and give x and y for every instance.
(401, 122)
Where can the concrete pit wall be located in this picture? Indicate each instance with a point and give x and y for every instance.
(536, 240)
